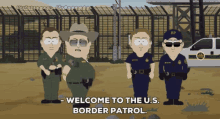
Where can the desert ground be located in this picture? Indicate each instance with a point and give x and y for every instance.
(21, 91)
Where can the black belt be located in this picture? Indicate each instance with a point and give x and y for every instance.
(74, 82)
(173, 74)
(141, 71)
(52, 70)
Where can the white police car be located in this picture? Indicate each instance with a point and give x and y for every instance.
(205, 52)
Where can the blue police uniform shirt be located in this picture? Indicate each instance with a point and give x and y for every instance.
(139, 62)
(179, 65)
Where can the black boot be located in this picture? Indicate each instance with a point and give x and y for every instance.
(169, 102)
(56, 101)
(45, 101)
(77, 105)
(177, 102)
(85, 105)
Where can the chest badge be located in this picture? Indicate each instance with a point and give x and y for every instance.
(44, 58)
(134, 59)
(71, 62)
(179, 62)
(185, 61)
(56, 59)
(147, 60)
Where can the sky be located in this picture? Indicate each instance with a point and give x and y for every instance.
(54, 3)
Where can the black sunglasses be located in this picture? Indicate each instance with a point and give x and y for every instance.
(175, 44)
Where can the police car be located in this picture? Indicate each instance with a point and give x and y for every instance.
(205, 52)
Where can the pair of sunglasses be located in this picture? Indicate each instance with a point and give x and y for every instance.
(170, 44)
(82, 42)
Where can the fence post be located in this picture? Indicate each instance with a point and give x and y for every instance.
(215, 22)
(19, 24)
(136, 17)
(48, 18)
(39, 32)
(96, 25)
(3, 34)
(78, 16)
(152, 30)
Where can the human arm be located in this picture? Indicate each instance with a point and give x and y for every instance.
(161, 70)
(128, 67)
(185, 69)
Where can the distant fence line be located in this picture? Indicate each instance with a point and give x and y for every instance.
(20, 28)
(33, 7)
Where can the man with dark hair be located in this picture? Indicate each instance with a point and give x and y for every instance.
(173, 66)
(50, 63)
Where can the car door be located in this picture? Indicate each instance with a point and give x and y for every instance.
(200, 52)
(216, 53)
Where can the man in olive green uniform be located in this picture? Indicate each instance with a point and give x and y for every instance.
(77, 71)
(50, 63)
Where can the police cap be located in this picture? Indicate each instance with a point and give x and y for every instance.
(172, 33)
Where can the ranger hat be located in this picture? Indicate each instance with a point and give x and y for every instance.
(172, 33)
(78, 29)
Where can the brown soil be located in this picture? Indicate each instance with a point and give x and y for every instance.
(20, 97)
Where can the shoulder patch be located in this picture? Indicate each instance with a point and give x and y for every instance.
(185, 61)
(83, 61)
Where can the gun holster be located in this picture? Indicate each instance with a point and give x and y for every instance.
(43, 74)
(88, 83)
(58, 71)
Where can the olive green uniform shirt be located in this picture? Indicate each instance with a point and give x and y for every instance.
(80, 69)
(46, 60)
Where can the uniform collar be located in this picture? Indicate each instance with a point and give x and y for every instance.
(143, 55)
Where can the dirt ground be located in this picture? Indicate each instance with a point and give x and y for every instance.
(21, 97)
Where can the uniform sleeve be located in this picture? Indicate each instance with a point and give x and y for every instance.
(161, 65)
(185, 65)
(151, 59)
(40, 60)
(129, 59)
(92, 73)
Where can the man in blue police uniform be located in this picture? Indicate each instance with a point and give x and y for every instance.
(141, 62)
(173, 66)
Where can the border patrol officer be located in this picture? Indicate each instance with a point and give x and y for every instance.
(173, 66)
(78, 72)
(50, 63)
(139, 64)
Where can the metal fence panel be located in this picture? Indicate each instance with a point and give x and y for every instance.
(20, 32)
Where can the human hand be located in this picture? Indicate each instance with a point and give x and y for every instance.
(47, 72)
(52, 67)
(129, 75)
(161, 76)
(151, 75)
(64, 78)
(59, 65)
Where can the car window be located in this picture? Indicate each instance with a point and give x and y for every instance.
(203, 44)
(217, 43)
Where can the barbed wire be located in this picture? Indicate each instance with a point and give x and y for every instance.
(33, 7)
(70, 7)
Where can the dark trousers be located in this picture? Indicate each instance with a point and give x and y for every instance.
(173, 87)
(140, 85)
(51, 87)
